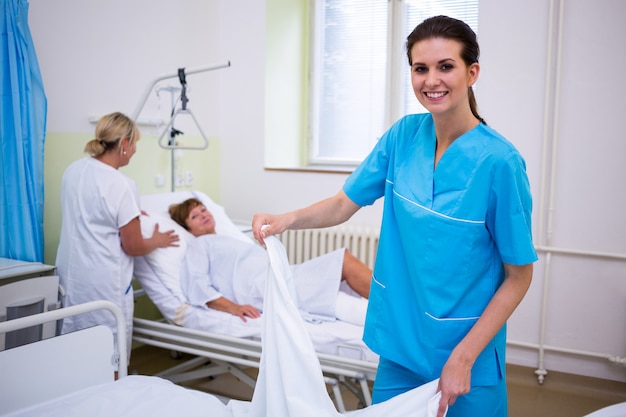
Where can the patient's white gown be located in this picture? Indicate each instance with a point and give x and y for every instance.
(218, 265)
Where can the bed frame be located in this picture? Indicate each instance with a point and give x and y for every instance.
(72, 375)
(53, 367)
(232, 355)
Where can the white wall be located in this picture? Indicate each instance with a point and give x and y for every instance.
(577, 189)
(100, 54)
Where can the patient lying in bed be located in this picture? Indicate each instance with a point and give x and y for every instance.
(159, 274)
(229, 275)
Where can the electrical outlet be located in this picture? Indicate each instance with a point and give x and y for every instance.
(188, 179)
(159, 180)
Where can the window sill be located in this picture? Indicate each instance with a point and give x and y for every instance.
(322, 169)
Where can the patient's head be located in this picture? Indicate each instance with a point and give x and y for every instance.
(193, 216)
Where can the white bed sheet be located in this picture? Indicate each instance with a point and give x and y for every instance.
(616, 410)
(159, 273)
(134, 395)
(141, 396)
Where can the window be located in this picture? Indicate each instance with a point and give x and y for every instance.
(360, 81)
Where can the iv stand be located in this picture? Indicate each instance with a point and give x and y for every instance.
(174, 132)
(171, 143)
(148, 90)
(181, 74)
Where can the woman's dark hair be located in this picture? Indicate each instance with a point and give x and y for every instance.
(180, 212)
(449, 28)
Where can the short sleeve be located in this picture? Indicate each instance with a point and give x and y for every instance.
(510, 208)
(367, 183)
(123, 201)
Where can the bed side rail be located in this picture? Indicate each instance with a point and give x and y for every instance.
(236, 350)
(36, 372)
(48, 316)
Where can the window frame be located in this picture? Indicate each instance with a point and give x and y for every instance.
(397, 77)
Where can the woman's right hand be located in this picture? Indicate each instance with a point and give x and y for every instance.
(264, 225)
(328, 212)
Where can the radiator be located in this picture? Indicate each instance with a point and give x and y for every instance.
(302, 245)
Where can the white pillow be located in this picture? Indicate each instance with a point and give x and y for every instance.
(158, 204)
(166, 262)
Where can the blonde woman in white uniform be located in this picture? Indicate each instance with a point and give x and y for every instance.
(100, 231)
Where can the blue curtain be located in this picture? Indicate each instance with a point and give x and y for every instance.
(23, 108)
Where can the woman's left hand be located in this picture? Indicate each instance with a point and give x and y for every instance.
(455, 381)
(134, 243)
(164, 239)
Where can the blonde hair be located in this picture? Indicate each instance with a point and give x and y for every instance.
(109, 132)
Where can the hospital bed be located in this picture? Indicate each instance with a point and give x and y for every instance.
(223, 339)
(72, 375)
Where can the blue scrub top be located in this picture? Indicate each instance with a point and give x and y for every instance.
(444, 237)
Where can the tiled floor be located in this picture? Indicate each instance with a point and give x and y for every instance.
(561, 395)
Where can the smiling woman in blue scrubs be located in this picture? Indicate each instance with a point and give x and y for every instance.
(455, 253)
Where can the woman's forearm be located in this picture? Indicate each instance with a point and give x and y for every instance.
(502, 305)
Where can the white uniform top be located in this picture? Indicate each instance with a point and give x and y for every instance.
(96, 201)
(222, 266)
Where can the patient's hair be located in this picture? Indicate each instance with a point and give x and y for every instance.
(180, 212)
(109, 132)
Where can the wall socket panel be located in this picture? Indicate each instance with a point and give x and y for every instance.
(159, 180)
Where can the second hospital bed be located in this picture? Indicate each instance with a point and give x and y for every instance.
(230, 344)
